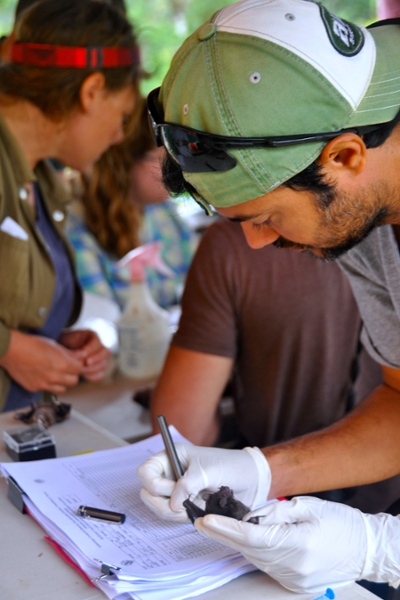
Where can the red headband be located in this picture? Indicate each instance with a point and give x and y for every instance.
(87, 57)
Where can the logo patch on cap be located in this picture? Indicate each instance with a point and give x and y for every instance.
(346, 38)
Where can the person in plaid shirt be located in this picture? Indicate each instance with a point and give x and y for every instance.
(123, 205)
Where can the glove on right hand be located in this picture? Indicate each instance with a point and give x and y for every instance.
(246, 472)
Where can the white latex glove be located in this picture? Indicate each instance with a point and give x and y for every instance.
(308, 544)
(246, 472)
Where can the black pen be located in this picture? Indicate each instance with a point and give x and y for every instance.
(101, 514)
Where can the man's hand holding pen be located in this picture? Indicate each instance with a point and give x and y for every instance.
(205, 469)
(305, 543)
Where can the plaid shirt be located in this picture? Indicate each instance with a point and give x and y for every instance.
(98, 273)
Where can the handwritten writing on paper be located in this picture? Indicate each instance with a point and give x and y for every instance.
(144, 544)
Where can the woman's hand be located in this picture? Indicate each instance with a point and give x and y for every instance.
(38, 363)
(86, 346)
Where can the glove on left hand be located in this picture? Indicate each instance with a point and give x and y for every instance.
(306, 544)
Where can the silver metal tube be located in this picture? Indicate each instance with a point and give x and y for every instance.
(170, 447)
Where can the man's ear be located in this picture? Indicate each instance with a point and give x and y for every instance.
(347, 152)
(92, 90)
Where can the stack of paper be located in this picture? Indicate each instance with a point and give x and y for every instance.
(151, 559)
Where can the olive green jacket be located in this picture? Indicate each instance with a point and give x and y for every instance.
(27, 277)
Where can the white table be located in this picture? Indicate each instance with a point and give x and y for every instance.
(32, 570)
(109, 404)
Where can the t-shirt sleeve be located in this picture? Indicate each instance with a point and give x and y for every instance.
(208, 320)
(373, 271)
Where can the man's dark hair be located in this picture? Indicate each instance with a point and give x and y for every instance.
(173, 178)
(310, 179)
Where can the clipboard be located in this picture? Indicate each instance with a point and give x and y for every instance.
(16, 495)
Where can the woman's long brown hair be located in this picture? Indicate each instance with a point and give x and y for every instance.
(110, 216)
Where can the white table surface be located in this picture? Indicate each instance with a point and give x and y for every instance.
(109, 404)
(32, 570)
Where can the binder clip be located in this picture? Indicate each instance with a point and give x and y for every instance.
(106, 569)
(15, 494)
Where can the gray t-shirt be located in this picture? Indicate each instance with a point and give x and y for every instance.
(373, 269)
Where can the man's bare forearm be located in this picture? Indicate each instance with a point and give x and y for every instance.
(361, 448)
(188, 393)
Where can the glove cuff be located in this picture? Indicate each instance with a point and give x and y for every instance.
(383, 549)
(264, 476)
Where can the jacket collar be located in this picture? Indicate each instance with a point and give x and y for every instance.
(22, 170)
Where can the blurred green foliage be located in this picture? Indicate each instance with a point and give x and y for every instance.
(6, 15)
(162, 25)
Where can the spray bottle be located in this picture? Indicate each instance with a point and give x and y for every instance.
(143, 329)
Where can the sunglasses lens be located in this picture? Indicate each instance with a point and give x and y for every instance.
(193, 151)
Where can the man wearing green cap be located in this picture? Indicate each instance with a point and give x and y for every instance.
(283, 117)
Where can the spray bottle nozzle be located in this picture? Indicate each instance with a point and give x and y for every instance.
(148, 255)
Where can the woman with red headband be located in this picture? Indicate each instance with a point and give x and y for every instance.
(70, 83)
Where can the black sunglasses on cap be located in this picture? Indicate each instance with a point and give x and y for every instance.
(201, 152)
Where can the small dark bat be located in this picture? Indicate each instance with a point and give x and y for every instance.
(46, 413)
(193, 510)
(219, 503)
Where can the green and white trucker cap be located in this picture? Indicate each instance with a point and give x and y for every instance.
(278, 67)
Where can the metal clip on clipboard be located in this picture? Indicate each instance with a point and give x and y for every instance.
(107, 570)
